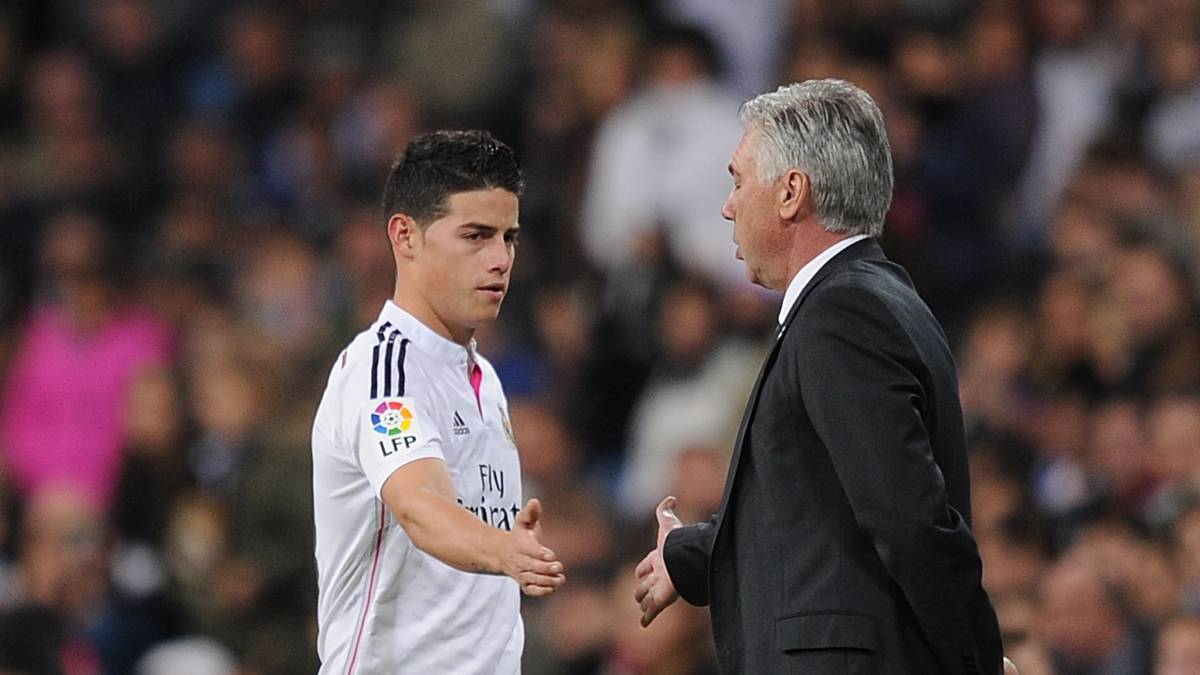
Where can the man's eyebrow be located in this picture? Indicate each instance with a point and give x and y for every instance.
(732, 171)
(481, 227)
(484, 228)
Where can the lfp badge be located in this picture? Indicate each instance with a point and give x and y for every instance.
(391, 418)
(396, 420)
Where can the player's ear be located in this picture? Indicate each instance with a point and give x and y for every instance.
(403, 233)
(795, 195)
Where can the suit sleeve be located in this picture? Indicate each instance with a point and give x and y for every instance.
(686, 553)
(860, 387)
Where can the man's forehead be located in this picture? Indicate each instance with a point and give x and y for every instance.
(495, 196)
(745, 147)
(493, 206)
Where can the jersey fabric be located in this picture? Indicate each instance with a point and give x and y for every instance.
(401, 392)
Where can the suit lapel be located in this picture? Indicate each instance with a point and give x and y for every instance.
(867, 248)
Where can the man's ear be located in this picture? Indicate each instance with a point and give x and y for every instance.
(795, 195)
(403, 233)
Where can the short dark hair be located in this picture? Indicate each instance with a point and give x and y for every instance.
(439, 164)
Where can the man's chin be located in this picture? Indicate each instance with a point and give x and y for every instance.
(758, 281)
(487, 313)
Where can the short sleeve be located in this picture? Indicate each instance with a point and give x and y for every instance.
(391, 432)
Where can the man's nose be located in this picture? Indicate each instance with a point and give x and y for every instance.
(727, 208)
(500, 255)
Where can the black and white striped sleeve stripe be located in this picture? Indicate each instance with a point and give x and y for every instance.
(392, 365)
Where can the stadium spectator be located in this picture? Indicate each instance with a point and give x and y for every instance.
(1178, 650)
(1085, 622)
(657, 166)
(61, 420)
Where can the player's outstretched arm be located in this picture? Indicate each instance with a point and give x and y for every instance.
(421, 496)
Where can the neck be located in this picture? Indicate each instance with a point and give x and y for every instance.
(86, 305)
(408, 299)
(810, 241)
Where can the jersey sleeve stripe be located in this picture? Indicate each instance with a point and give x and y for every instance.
(375, 359)
(400, 379)
(387, 363)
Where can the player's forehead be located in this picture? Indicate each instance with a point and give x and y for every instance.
(495, 207)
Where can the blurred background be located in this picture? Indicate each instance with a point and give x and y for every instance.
(189, 233)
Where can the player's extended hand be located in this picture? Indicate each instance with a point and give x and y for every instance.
(655, 590)
(535, 567)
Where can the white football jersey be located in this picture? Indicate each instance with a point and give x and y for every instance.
(401, 392)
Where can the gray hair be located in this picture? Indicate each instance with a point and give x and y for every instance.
(834, 132)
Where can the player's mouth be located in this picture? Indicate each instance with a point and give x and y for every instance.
(494, 292)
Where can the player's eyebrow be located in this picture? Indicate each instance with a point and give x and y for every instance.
(732, 171)
(481, 228)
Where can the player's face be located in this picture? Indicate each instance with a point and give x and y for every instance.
(751, 207)
(465, 258)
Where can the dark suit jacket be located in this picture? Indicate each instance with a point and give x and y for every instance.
(843, 542)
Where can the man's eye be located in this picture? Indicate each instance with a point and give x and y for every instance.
(475, 236)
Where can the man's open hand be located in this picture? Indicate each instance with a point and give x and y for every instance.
(535, 567)
(655, 591)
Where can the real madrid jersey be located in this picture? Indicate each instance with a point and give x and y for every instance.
(398, 393)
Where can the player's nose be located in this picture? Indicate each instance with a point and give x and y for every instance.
(500, 256)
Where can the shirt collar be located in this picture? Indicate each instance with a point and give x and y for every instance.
(809, 271)
(424, 337)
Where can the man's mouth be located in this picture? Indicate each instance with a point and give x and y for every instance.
(494, 291)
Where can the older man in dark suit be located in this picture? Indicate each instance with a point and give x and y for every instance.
(843, 543)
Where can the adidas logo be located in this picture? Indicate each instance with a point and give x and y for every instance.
(460, 427)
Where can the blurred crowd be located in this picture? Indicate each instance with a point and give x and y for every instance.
(190, 231)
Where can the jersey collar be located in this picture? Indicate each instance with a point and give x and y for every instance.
(425, 338)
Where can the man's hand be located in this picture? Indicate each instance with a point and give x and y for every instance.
(655, 591)
(1010, 668)
(535, 567)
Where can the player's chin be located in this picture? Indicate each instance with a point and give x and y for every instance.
(487, 311)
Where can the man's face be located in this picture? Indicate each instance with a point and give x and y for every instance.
(462, 261)
(752, 208)
(1179, 649)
